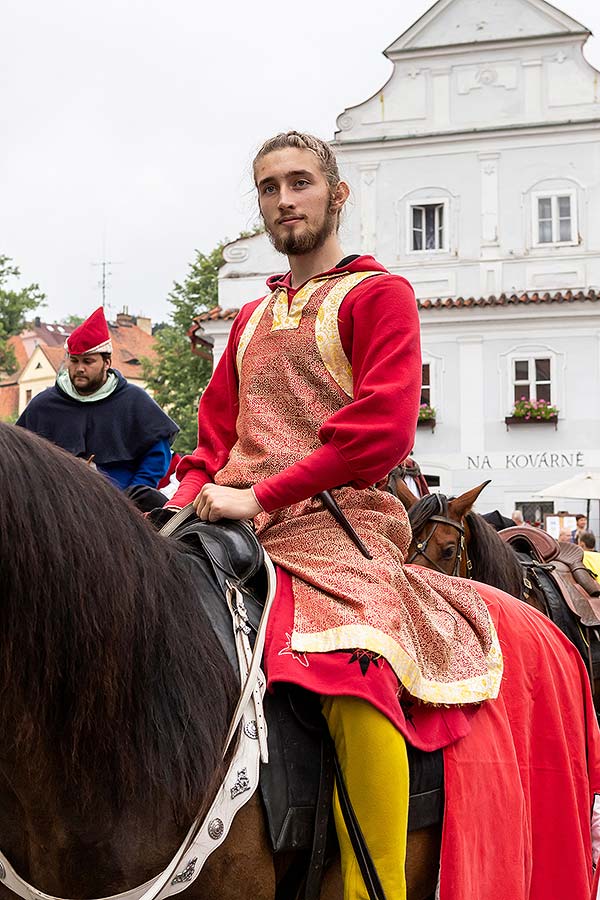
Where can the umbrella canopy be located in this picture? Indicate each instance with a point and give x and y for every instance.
(581, 487)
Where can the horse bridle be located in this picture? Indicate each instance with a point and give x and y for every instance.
(422, 545)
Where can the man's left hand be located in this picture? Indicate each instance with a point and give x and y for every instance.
(215, 501)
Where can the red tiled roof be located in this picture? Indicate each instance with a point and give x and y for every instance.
(55, 355)
(510, 299)
(456, 302)
(216, 313)
(9, 399)
(52, 334)
(130, 345)
(18, 348)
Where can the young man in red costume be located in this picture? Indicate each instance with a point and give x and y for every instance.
(318, 390)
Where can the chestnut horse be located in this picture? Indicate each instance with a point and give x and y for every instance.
(449, 537)
(116, 698)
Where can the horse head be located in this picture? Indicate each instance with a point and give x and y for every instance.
(440, 529)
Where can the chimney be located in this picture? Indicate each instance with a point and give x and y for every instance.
(37, 322)
(145, 323)
(123, 318)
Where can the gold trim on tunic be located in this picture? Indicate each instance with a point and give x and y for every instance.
(327, 332)
(250, 328)
(287, 316)
(449, 693)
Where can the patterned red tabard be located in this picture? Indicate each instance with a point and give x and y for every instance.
(434, 632)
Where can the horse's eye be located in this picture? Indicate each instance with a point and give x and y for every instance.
(448, 552)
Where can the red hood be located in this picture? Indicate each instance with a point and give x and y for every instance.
(360, 264)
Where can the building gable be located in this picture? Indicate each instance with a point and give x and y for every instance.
(455, 22)
(480, 64)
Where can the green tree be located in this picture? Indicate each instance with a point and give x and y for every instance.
(178, 377)
(14, 307)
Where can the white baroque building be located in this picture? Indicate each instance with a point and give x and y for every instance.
(475, 173)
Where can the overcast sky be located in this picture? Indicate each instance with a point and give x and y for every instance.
(129, 126)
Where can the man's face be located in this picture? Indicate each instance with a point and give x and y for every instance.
(88, 372)
(295, 200)
(581, 523)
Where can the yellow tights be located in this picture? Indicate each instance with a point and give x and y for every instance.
(372, 755)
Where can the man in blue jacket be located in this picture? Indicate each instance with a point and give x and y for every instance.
(93, 412)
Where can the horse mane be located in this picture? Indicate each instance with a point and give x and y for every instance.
(493, 561)
(110, 673)
(426, 507)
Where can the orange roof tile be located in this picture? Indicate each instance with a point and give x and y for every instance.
(16, 343)
(56, 356)
(9, 400)
(519, 299)
(130, 345)
(216, 313)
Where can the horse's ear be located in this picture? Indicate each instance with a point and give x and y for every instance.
(404, 493)
(463, 504)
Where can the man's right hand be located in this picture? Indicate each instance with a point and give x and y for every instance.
(216, 501)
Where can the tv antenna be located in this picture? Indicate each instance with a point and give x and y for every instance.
(106, 273)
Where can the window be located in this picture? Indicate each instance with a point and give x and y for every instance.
(531, 378)
(27, 396)
(426, 384)
(428, 229)
(534, 511)
(554, 218)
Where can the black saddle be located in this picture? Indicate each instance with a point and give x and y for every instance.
(290, 783)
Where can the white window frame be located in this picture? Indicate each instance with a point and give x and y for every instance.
(419, 204)
(430, 363)
(531, 358)
(553, 196)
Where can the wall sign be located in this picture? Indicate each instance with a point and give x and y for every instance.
(539, 460)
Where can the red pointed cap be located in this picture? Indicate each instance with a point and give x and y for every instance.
(91, 336)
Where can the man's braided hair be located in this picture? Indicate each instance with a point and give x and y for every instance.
(301, 141)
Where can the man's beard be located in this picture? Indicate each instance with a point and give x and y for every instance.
(306, 242)
(91, 386)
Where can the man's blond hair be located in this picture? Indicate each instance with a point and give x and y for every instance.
(300, 141)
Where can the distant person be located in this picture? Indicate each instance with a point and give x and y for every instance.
(591, 559)
(517, 517)
(581, 523)
(94, 413)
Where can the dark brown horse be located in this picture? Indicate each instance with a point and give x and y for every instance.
(116, 698)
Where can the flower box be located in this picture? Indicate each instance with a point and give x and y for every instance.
(426, 423)
(522, 420)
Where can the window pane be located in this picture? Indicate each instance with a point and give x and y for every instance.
(426, 396)
(543, 392)
(521, 392)
(521, 370)
(430, 243)
(542, 370)
(545, 232)
(564, 229)
(425, 376)
(440, 234)
(417, 228)
(545, 208)
(564, 207)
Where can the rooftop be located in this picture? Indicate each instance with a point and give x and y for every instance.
(517, 299)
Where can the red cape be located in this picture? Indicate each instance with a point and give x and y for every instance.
(520, 786)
